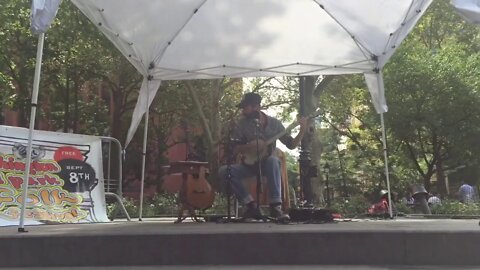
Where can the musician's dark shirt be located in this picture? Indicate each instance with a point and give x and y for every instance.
(245, 132)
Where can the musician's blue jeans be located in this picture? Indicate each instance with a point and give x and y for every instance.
(271, 168)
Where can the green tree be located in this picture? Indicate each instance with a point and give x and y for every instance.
(71, 58)
(352, 121)
(17, 59)
(214, 108)
(80, 62)
(432, 91)
(434, 113)
(432, 85)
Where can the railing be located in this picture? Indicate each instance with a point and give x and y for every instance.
(113, 187)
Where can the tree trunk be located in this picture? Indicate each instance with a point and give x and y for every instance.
(317, 182)
(313, 92)
(75, 108)
(441, 183)
(438, 161)
(311, 142)
(66, 116)
(211, 126)
(24, 107)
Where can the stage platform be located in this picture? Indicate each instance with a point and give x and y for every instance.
(159, 242)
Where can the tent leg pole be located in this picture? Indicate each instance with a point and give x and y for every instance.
(33, 111)
(144, 154)
(385, 156)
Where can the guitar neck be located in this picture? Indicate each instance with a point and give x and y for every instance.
(280, 134)
(289, 128)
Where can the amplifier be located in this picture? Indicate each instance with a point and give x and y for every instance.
(311, 215)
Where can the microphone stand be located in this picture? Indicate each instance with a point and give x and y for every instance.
(228, 188)
(259, 167)
(229, 153)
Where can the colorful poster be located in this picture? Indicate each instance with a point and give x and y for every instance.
(66, 178)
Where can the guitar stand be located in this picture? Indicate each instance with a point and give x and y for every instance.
(191, 213)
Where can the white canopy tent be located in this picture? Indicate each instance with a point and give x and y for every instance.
(200, 39)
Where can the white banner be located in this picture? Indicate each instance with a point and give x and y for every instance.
(66, 178)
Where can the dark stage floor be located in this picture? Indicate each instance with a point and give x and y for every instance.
(400, 243)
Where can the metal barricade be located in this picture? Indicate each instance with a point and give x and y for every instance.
(113, 187)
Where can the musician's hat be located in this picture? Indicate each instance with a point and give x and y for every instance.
(250, 99)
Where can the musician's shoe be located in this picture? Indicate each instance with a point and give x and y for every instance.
(277, 213)
(253, 212)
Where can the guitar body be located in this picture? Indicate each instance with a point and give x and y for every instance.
(198, 192)
(251, 158)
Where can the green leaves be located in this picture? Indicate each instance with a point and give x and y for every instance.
(432, 90)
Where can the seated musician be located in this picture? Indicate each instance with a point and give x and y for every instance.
(269, 128)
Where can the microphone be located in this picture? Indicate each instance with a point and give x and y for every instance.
(256, 118)
(257, 122)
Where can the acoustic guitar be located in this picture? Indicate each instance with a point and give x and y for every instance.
(198, 192)
(195, 192)
(251, 158)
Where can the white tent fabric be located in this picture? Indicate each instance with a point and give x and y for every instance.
(207, 39)
(194, 39)
(469, 9)
(375, 85)
(200, 39)
(147, 92)
(42, 14)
